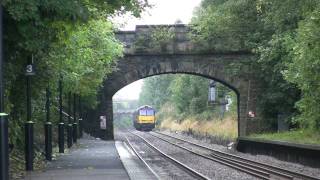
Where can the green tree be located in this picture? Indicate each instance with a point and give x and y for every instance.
(186, 94)
(304, 70)
(71, 37)
(226, 25)
(85, 57)
(189, 93)
(265, 28)
(155, 91)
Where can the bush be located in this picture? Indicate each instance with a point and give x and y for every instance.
(195, 106)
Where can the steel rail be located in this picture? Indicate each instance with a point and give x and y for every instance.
(138, 155)
(248, 161)
(183, 166)
(245, 165)
(235, 165)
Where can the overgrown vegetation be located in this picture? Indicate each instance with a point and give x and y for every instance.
(225, 129)
(157, 40)
(72, 39)
(284, 35)
(181, 102)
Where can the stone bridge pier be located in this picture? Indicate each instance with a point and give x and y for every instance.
(180, 55)
(108, 112)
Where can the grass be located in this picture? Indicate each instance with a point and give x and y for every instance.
(302, 136)
(206, 123)
(227, 127)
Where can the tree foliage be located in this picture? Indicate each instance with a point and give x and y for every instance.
(69, 38)
(155, 91)
(224, 25)
(188, 94)
(268, 28)
(304, 69)
(85, 57)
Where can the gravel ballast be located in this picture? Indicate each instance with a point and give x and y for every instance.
(259, 158)
(163, 168)
(207, 167)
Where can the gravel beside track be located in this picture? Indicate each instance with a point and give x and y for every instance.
(207, 167)
(259, 158)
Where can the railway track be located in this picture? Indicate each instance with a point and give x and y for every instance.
(258, 169)
(179, 164)
(140, 157)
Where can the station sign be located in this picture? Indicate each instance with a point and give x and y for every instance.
(103, 122)
(29, 71)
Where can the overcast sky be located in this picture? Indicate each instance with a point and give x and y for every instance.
(163, 12)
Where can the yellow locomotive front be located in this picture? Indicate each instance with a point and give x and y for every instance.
(144, 118)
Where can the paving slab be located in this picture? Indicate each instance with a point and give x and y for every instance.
(93, 159)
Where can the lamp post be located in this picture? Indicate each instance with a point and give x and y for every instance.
(61, 123)
(4, 147)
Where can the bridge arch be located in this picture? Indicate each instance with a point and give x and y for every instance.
(141, 67)
(234, 89)
(212, 66)
(180, 55)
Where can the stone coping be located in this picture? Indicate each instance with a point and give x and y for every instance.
(281, 143)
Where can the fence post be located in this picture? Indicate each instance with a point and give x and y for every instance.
(48, 128)
(80, 119)
(75, 124)
(69, 130)
(61, 124)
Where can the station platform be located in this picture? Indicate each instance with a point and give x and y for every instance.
(94, 159)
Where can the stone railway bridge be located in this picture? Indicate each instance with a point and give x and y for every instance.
(117, 116)
(144, 58)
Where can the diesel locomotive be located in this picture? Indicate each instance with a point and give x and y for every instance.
(144, 118)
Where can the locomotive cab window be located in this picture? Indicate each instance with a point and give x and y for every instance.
(143, 112)
(150, 112)
(146, 112)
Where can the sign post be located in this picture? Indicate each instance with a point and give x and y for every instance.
(103, 122)
(29, 151)
(103, 127)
